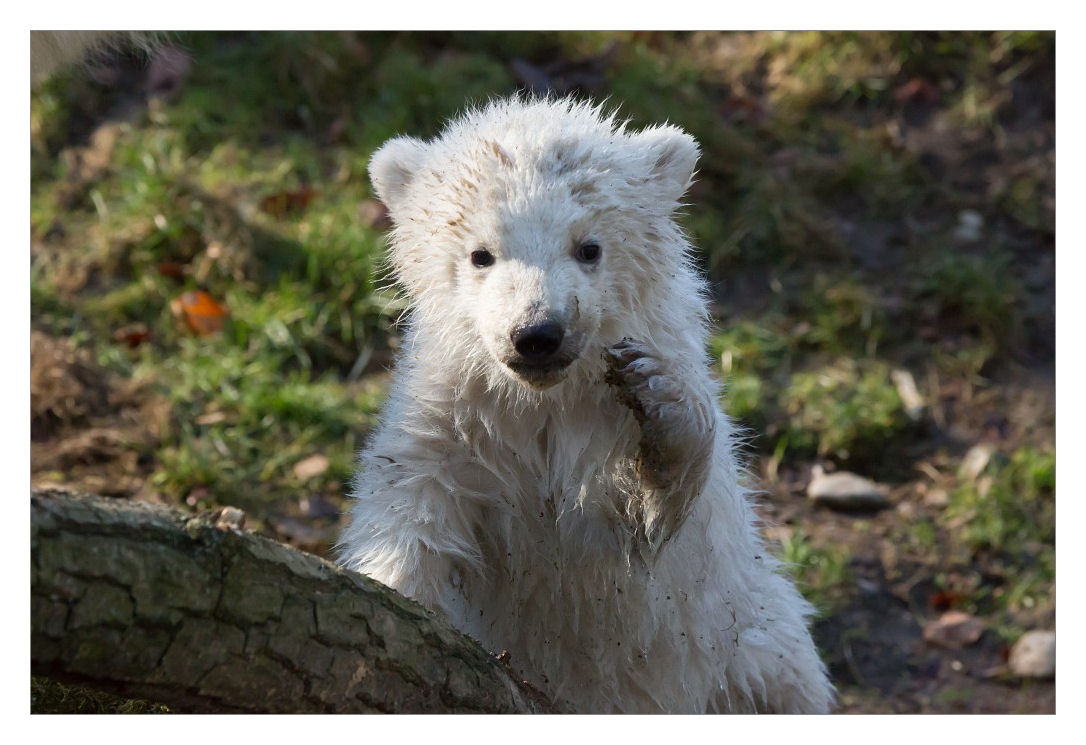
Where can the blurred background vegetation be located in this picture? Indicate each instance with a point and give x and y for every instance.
(211, 322)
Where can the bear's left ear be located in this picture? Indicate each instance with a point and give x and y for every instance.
(393, 167)
(671, 155)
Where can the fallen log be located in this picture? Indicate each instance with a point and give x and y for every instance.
(197, 614)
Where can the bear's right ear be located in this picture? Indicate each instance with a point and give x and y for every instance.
(671, 155)
(393, 167)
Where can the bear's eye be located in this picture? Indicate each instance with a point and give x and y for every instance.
(481, 258)
(588, 252)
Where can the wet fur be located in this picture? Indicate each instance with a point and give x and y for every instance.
(593, 524)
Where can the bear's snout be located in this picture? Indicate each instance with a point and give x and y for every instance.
(538, 342)
(540, 351)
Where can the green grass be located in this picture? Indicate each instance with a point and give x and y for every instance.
(1006, 521)
(1011, 505)
(273, 413)
(49, 697)
(846, 410)
(822, 573)
(977, 295)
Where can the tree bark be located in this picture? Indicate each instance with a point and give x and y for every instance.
(199, 615)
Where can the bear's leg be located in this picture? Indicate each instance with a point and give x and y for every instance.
(405, 533)
(678, 428)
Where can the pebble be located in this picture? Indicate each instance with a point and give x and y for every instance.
(970, 226)
(907, 391)
(975, 461)
(843, 490)
(311, 467)
(937, 498)
(229, 518)
(954, 630)
(1034, 655)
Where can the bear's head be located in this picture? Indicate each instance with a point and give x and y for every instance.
(532, 233)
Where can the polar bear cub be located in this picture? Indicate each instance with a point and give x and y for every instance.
(552, 470)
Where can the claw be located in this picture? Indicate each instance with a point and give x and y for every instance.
(625, 352)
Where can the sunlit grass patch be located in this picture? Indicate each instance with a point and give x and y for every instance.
(243, 420)
(822, 573)
(1011, 506)
(755, 360)
(1006, 519)
(782, 381)
(841, 315)
(847, 410)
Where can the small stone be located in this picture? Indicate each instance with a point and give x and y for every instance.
(975, 461)
(846, 491)
(228, 518)
(937, 498)
(1034, 655)
(984, 485)
(954, 630)
(867, 587)
(970, 225)
(907, 391)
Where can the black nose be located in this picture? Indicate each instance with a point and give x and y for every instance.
(539, 341)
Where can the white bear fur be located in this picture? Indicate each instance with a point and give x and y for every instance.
(528, 512)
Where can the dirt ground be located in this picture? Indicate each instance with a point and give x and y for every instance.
(872, 638)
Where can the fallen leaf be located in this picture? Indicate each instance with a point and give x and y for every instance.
(944, 600)
(917, 89)
(133, 335)
(954, 630)
(214, 417)
(285, 202)
(200, 312)
(1034, 655)
(907, 391)
(311, 467)
(172, 269)
(975, 460)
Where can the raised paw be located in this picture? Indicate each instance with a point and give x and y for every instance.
(658, 392)
(676, 431)
(638, 378)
